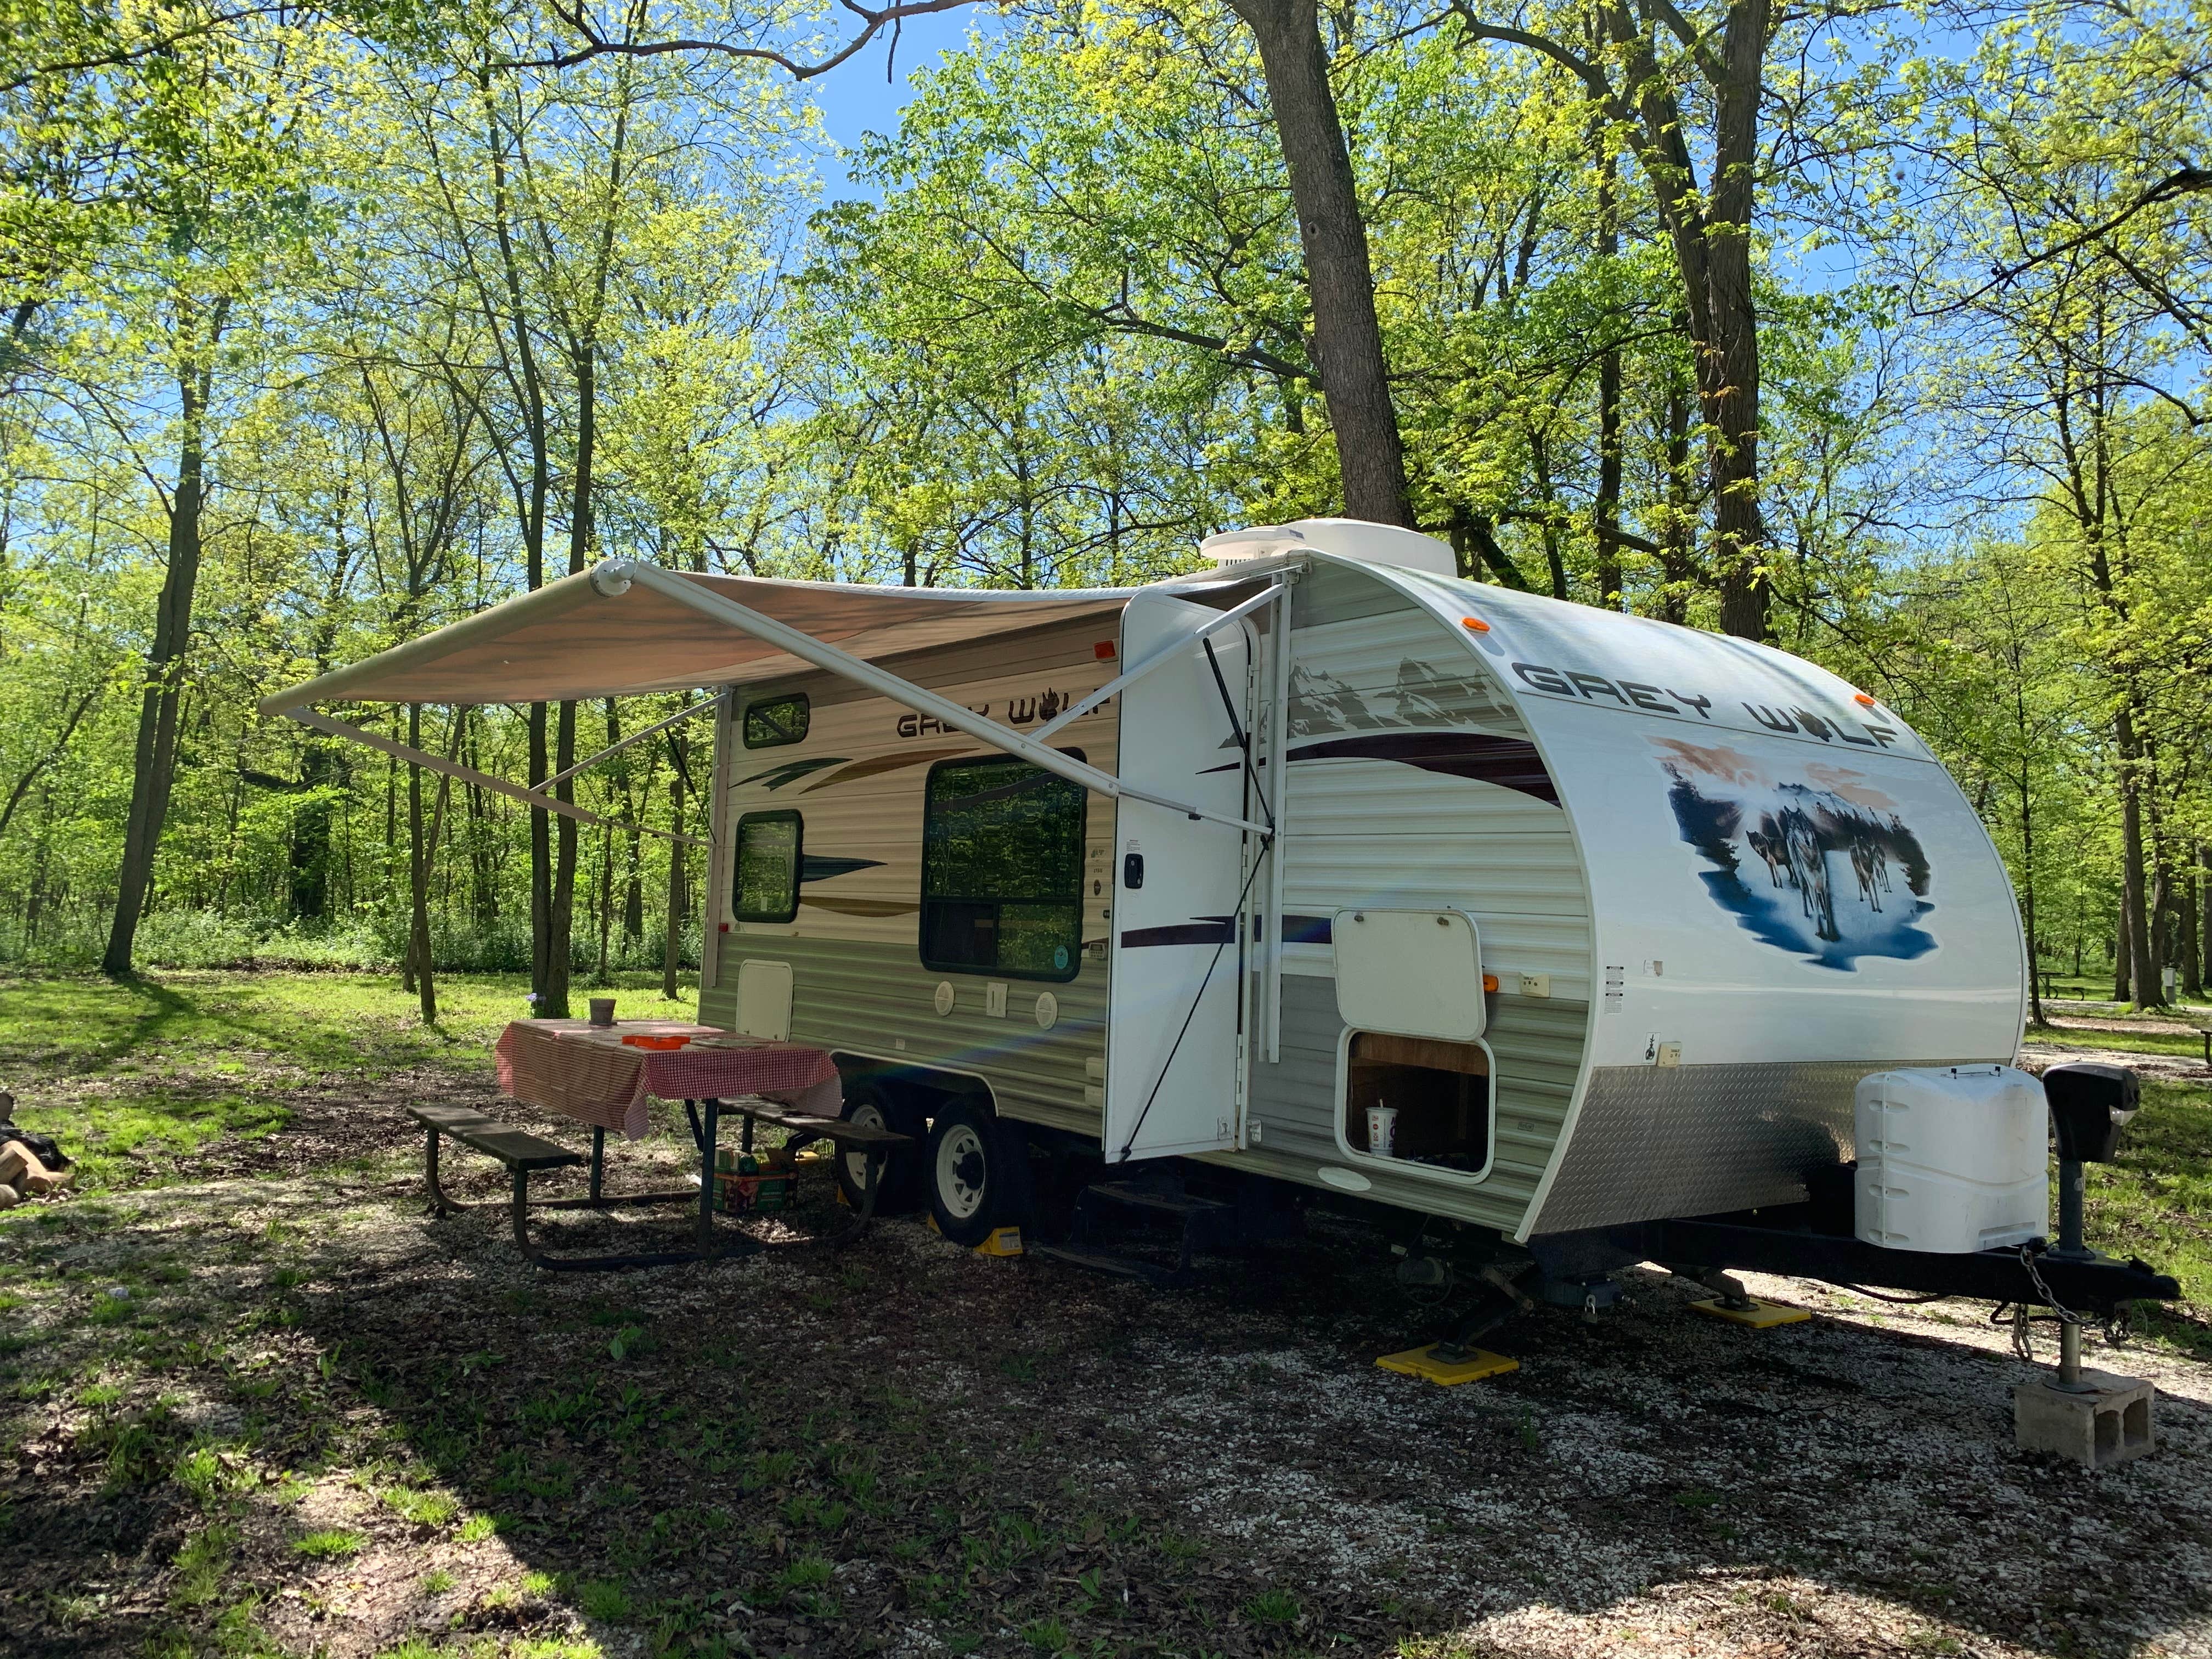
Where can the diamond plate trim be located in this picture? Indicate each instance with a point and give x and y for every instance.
(1655, 1141)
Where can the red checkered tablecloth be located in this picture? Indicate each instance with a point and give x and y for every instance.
(587, 1072)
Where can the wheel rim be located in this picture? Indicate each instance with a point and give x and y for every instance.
(868, 1115)
(962, 1172)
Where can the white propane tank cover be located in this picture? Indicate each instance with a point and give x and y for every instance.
(1952, 1158)
(1349, 538)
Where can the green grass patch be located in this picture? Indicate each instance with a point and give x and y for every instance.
(424, 1509)
(2156, 1203)
(604, 1600)
(188, 1058)
(330, 1544)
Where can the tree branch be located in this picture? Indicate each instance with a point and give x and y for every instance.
(2182, 181)
(874, 21)
(1590, 74)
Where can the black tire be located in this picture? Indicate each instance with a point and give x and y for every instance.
(883, 1106)
(977, 1172)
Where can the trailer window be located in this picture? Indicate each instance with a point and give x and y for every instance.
(1002, 869)
(779, 721)
(767, 867)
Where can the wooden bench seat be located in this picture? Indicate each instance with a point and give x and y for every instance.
(526, 1154)
(859, 1136)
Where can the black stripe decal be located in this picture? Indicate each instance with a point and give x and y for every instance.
(1213, 930)
(1508, 763)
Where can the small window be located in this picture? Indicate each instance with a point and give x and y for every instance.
(1002, 869)
(766, 887)
(779, 721)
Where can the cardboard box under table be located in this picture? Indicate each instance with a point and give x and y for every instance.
(592, 1075)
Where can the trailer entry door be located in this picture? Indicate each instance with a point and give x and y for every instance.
(1172, 1033)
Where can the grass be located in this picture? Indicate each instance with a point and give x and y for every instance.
(329, 1544)
(2156, 1203)
(188, 1058)
(424, 1509)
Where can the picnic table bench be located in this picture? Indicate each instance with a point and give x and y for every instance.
(611, 1095)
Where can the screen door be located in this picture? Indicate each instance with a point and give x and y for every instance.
(1172, 1032)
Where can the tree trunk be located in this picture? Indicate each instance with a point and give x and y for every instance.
(2133, 886)
(606, 898)
(672, 950)
(2028, 899)
(2122, 957)
(561, 915)
(2204, 913)
(2192, 946)
(1677, 563)
(1607, 507)
(1348, 339)
(1710, 236)
(418, 878)
(153, 760)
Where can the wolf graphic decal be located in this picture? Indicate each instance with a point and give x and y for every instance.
(1820, 864)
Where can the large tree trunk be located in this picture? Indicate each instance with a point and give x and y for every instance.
(418, 878)
(1710, 236)
(2192, 948)
(1678, 562)
(672, 948)
(1347, 340)
(2135, 892)
(1607, 511)
(153, 760)
(2028, 899)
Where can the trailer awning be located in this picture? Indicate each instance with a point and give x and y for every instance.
(568, 641)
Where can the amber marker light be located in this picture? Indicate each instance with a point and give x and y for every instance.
(1862, 699)
(1490, 981)
(1474, 624)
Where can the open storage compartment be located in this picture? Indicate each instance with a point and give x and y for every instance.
(1442, 1091)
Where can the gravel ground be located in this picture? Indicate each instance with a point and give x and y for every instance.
(315, 1421)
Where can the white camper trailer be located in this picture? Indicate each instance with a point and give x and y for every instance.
(1596, 922)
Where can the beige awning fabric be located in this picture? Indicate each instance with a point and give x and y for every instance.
(568, 641)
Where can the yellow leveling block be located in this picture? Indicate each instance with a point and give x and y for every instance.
(1003, 1241)
(1759, 1316)
(1422, 1362)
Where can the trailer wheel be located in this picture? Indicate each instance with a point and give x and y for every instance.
(880, 1107)
(978, 1171)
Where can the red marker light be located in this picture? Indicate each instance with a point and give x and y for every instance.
(1104, 650)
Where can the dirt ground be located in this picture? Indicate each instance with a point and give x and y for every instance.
(275, 1411)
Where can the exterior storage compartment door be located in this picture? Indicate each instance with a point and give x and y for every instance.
(1172, 1034)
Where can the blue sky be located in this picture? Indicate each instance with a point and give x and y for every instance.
(856, 98)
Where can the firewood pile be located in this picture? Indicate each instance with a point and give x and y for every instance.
(31, 1165)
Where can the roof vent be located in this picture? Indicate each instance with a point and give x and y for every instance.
(1347, 538)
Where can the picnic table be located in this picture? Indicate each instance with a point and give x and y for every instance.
(592, 1075)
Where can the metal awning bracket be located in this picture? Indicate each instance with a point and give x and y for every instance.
(615, 577)
(398, 750)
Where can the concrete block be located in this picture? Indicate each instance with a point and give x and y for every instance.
(2109, 1422)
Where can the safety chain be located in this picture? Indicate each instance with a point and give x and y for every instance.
(2066, 1316)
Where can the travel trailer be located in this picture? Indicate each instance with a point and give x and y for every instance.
(1323, 876)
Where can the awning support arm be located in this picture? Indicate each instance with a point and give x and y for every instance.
(586, 765)
(613, 578)
(1160, 658)
(470, 775)
(1279, 755)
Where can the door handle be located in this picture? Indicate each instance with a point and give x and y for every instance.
(1133, 871)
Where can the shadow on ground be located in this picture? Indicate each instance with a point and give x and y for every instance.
(294, 1415)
